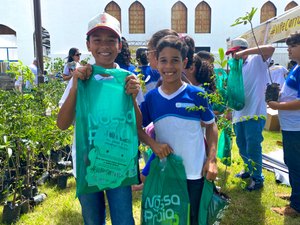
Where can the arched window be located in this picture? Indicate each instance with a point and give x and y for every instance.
(6, 30)
(203, 18)
(136, 18)
(8, 44)
(179, 17)
(268, 10)
(290, 6)
(114, 9)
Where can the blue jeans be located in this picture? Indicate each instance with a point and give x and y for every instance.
(120, 206)
(248, 139)
(291, 151)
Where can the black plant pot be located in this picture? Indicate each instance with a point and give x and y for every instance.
(272, 92)
(62, 180)
(55, 156)
(27, 192)
(11, 213)
(25, 206)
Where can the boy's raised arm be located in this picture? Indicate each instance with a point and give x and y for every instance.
(265, 50)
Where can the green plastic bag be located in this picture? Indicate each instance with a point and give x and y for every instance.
(106, 133)
(225, 144)
(212, 204)
(235, 85)
(165, 199)
(221, 85)
(206, 197)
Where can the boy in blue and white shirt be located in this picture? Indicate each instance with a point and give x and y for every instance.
(289, 117)
(178, 130)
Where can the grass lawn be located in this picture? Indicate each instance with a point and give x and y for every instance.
(246, 208)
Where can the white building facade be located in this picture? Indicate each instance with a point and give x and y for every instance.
(66, 22)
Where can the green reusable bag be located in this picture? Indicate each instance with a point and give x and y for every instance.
(106, 133)
(225, 144)
(212, 204)
(221, 85)
(235, 85)
(206, 196)
(165, 199)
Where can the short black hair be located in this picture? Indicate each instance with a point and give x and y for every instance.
(293, 39)
(159, 35)
(172, 41)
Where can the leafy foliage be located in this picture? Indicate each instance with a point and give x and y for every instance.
(222, 61)
(54, 66)
(17, 69)
(245, 19)
(28, 124)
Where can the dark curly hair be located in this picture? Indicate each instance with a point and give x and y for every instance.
(204, 73)
(124, 57)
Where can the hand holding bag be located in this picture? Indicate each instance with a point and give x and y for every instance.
(165, 199)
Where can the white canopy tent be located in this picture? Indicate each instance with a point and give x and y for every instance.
(276, 29)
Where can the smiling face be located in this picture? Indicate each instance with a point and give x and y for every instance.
(104, 46)
(170, 66)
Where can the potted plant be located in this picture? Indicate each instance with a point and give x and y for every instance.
(272, 91)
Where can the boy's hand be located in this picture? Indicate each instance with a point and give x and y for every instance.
(83, 72)
(237, 55)
(273, 105)
(162, 150)
(132, 85)
(210, 169)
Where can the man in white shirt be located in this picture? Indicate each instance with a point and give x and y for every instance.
(249, 122)
(278, 73)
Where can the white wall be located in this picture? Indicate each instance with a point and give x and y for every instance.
(66, 21)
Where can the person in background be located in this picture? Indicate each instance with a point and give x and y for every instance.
(72, 63)
(278, 73)
(206, 56)
(288, 107)
(200, 73)
(124, 57)
(19, 83)
(34, 69)
(150, 76)
(189, 41)
(249, 122)
(104, 42)
(151, 52)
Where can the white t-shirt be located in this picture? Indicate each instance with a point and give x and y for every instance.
(256, 78)
(278, 74)
(139, 99)
(67, 70)
(290, 119)
(178, 127)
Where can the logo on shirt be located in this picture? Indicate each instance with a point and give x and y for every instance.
(184, 104)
